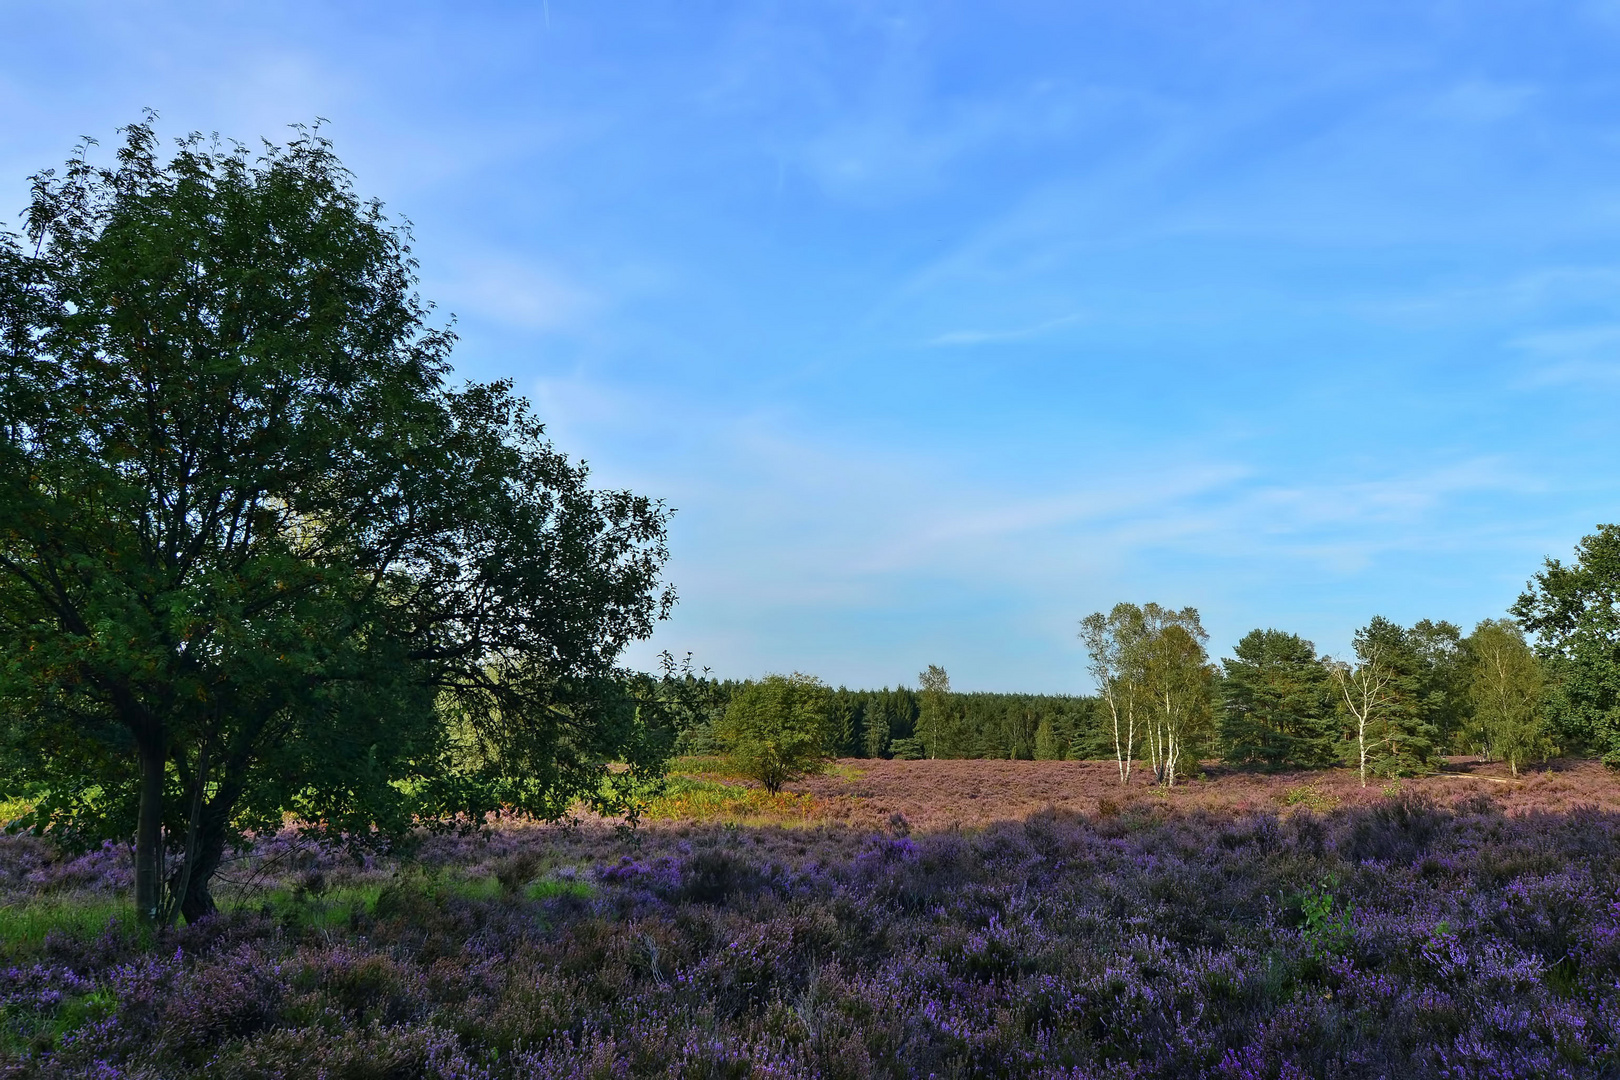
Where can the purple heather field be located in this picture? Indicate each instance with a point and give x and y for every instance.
(1405, 937)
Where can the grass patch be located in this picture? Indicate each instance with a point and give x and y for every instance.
(330, 910)
(721, 768)
(24, 1030)
(25, 925)
(687, 798)
(551, 888)
(471, 888)
(1310, 797)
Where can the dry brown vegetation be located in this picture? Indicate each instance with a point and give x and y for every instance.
(942, 795)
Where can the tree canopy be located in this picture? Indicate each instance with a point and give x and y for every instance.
(779, 728)
(1506, 688)
(258, 557)
(1277, 703)
(1155, 680)
(1574, 612)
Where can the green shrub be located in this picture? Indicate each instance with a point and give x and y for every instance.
(778, 729)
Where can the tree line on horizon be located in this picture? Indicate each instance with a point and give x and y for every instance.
(909, 724)
(1409, 696)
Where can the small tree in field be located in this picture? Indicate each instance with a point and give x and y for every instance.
(1155, 679)
(778, 729)
(935, 690)
(1367, 698)
(1178, 679)
(1388, 698)
(1114, 642)
(1506, 688)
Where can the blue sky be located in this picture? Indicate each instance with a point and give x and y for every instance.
(943, 324)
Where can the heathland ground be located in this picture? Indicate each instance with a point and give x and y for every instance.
(955, 794)
(894, 919)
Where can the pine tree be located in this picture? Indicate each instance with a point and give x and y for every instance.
(1277, 706)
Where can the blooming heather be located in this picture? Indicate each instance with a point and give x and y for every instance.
(1401, 939)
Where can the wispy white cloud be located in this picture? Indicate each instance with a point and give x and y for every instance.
(516, 292)
(1481, 101)
(985, 337)
(783, 529)
(1505, 302)
(1571, 356)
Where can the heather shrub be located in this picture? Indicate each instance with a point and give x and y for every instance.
(363, 1053)
(713, 874)
(1398, 830)
(516, 870)
(1401, 939)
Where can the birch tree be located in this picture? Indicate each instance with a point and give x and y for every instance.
(1506, 690)
(1114, 642)
(1177, 678)
(1367, 690)
(936, 693)
(1405, 683)
(1154, 677)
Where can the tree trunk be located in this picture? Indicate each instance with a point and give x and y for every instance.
(149, 833)
(1130, 741)
(1119, 748)
(197, 899)
(1361, 746)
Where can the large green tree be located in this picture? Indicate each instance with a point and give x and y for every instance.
(1574, 612)
(258, 558)
(1388, 707)
(1277, 703)
(1506, 688)
(1441, 667)
(1155, 680)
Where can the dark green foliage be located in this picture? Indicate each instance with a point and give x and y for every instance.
(869, 723)
(1443, 679)
(989, 725)
(1574, 613)
(700, 701)
(876, 728)
(907, 749)
(257, 558)
(884, 716)
(1277, 706)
